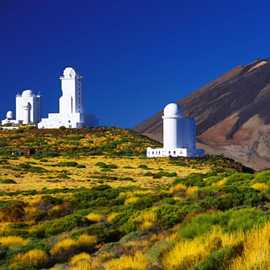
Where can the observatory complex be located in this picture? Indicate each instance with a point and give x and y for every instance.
(179, 135)
(70, 103)
(71, 114)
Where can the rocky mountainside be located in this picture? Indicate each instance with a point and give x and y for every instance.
(232, 114)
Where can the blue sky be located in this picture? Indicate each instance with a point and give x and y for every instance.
(135, 56)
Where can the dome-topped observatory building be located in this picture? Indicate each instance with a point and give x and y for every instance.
(179, 135)
(71, 113)
(27, 109)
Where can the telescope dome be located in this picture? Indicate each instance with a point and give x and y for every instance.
(69, 72)
(27, 93)
(9, 115)
(172, 110)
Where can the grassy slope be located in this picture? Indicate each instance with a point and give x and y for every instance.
(89, 199)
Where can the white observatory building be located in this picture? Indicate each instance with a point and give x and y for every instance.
(179, 135)
(70, 103)
(27, 109)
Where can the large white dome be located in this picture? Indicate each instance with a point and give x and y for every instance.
(172, 110)
(27, 93)
(69, 72)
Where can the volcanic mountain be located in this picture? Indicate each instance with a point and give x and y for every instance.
(232, 114)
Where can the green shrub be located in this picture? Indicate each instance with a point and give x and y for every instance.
(220, 259)
(102, 195)
(67, 164)
(60, 225)
(244, 196)
(244, 219)
(169, 215)
(105, 166)
(194, 179)
(263, 177)
(143, 166)
(232, 220)
(213, 179)
(3, 252)
(29, 168)
(12, 211)
(81, 166)
(233, 196)
(154, 253)
(239, 178)
(104, 232)
(165, 174)
(201, 224)
(7, 181)
(144, 202)
(161, 174)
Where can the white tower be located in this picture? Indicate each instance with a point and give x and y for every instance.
(171, 118)
(71, 99)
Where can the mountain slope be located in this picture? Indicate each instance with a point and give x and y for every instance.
(231, 113)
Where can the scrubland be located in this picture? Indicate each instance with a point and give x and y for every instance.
(89, 199)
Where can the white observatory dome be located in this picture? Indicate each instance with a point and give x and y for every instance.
(172, 110)
(69, 72)
(27, 93)
(9, 115)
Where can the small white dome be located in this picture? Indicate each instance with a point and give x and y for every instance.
(69, 72)
(172, 110)
(9, 115)
(27, 93)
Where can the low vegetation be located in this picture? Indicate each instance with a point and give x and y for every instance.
(89, 199)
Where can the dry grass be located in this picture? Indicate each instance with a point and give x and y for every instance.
(94, 217)
(131, 200)
(33, 257)
(260, 186)
(80, 177)
(69, 244)
(136, 262)
(10, 241)
(147, 220)
(192, 190)
(63, 245)
(177, 188)
(191, 252)
(87, 240)
(187, 253)
(256, 253)
(220, 183)
(112, 216)
(82, 261)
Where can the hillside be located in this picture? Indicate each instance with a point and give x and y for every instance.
(73, 142)
(65, 207)
(232, 114)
